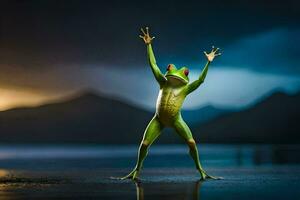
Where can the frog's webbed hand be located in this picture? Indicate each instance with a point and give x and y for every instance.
(151, 58)
(210, 57)
(146, 36)
(214, 53)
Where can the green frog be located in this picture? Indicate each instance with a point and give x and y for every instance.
(174, 88)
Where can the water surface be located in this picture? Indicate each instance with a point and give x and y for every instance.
(85, 171)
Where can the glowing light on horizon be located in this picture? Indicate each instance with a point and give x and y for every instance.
(11, 98)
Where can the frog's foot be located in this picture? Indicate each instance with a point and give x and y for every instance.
(205, 176)
(132, 175)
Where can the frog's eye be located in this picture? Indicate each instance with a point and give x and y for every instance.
(186, 72)
(170, 66)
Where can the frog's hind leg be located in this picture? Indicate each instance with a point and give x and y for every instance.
(184, 131)
(151, 133)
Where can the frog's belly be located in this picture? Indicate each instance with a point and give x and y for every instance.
(167, 107)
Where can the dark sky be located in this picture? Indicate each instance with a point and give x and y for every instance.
(45, 45)
(42, 32)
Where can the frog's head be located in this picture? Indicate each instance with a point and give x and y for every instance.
(177, 76)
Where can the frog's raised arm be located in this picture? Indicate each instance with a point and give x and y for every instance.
(155, 69)
(194, 85)
(151, 58)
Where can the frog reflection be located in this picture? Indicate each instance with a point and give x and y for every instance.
(173, 191)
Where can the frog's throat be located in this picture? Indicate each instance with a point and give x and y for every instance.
(178, 78)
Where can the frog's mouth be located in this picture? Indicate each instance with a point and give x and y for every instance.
(177, 78)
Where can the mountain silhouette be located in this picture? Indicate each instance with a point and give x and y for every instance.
(90, 118)
(273, 120)
(203, 114)
(86, 118)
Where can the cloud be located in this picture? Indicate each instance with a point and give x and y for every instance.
(21, 86)
(248, 69)
(238, 88)
(275, 51)
(223, 87)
